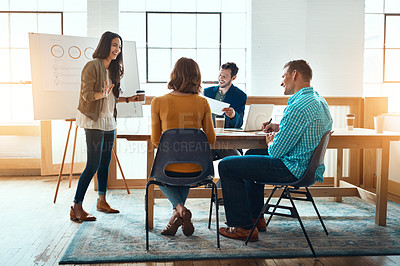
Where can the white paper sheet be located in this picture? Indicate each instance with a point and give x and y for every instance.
(216, 106)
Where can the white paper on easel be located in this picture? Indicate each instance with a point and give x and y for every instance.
(216, 106)
(126, 110)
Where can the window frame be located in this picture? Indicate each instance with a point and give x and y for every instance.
(384, 48)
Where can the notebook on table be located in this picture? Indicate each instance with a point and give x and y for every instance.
(258, 114)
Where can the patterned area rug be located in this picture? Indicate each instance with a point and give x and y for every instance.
(121, 237)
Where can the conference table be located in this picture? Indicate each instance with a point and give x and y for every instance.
(341, 139)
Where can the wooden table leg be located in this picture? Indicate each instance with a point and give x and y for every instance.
(150, 160)
(382, 187)
(339, 172)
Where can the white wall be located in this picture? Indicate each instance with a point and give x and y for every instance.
(329, 34)
(103, 15)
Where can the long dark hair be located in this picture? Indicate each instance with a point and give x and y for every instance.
(185, 77)
(116, 67)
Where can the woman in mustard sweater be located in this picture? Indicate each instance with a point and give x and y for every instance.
(181, 108)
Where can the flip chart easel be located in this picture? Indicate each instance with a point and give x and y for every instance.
(73, 157)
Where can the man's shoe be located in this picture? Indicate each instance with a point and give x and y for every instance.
(239, 233)
(103, 206)
(261, 225)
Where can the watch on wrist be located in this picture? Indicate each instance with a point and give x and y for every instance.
(127, 99)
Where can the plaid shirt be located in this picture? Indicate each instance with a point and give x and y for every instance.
(304, 122)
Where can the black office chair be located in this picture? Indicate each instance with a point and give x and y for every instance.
(188, 145)
(307, 180)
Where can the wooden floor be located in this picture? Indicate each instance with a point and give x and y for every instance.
(35, 231)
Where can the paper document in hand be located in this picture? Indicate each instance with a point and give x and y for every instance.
(216, 106)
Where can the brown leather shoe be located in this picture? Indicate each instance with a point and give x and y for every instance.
(187, 226)
(170, 229)
(239, 233)
(102, 206)
(261, 225)
(84, 217)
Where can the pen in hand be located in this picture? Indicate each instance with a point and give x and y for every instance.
(265, 124)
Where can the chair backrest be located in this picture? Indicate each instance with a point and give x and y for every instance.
(182, 145)
(316, 160)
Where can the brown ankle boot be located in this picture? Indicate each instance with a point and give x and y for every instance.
(170, 229)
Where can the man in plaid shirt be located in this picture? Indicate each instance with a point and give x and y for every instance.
(290, 147)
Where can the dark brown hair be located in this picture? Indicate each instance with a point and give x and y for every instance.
(232, 66)
(185, 77)
(302, 67)
(116, 67)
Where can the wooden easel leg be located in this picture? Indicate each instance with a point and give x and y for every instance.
(62, 163)
(122, 173)
(73, 157)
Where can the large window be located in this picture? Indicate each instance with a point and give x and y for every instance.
(172, 35)
(17, 19)
(211, 32)
(382, 49)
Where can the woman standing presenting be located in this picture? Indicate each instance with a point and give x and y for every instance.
(182, 108)
(100, 88)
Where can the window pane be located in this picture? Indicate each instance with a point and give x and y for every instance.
(21, 103)
(238, 56)
(159, 30)
(75, 24)
(5, 65)
(208, 60)
(373, 65)
(392, 32)
(23, 5)
(159, 65)
(132, 28)
(20, 65)
(50, 5)
(392, 6)
(129, 5)
(373, 31)
(49, 23)
(209, 6)
(183, 5)
(234, 5)
(5, 102)
(158, 5)
(75, 5)
(183, 31)
(208, 31)
(20, 25)
(178, 53)
(4, 31)
(392, 65)
(374, 6)
(234, 30)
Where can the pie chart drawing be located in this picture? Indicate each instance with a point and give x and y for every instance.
(74, 52)
(57, 51)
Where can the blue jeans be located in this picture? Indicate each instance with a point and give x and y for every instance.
(99, 147)
(239, 172)
(177, 194)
